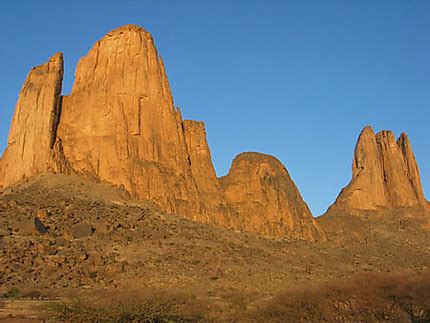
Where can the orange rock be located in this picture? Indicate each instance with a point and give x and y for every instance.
(33, 130)
(200, 157)
(266, 199)
(214, 208)
(119, 123)
(412, 167)
(384, 174)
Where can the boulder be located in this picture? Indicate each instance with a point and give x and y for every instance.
(39, 226)
(82, 230)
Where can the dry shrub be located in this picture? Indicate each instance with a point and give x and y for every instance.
(129, 306)
(367, 297)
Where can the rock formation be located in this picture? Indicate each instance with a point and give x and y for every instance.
(260, 189)
(214, 208)
(33, 130)
(200, 157)
(384, 174)
(119, 125)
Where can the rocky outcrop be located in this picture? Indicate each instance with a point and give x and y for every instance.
(33, 131)
(262, 192)
(119, 125)
(384, 174)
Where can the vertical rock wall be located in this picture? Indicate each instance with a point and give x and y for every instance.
(34, 125)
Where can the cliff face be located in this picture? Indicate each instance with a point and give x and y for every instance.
(33, 131)
(384, 174)
(260, 189)
(119, 125)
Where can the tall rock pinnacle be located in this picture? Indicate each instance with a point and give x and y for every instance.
(384, 174)
(34, 124)
(119, 125)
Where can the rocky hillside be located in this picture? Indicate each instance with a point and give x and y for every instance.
(64, 235)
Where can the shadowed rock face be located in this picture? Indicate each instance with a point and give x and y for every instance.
(33, 131)
(384, 174)
(260, 189)
(119, 125)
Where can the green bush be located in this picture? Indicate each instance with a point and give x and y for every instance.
(13, 292)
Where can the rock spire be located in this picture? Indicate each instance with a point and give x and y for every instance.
(384, 174)
(34, 125)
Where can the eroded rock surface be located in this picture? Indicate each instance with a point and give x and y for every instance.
(33, 131)
(384, 174)
(260, 189)
(119, 123)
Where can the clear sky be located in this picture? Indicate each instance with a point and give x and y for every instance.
(295, 79)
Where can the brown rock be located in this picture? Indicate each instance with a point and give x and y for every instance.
(34, 123)
(13, 204)
(42, 214)
(384, 174)
(260, 189)
(82, 230)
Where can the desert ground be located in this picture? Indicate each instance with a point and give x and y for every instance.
(76, 249)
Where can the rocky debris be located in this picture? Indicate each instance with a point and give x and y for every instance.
(34, 124)
(140, 246)
(30, 253)
(262, 192)
(384, 175)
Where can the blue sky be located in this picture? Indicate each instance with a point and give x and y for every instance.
(295, 79)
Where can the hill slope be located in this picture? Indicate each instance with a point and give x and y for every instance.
(64, 233)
